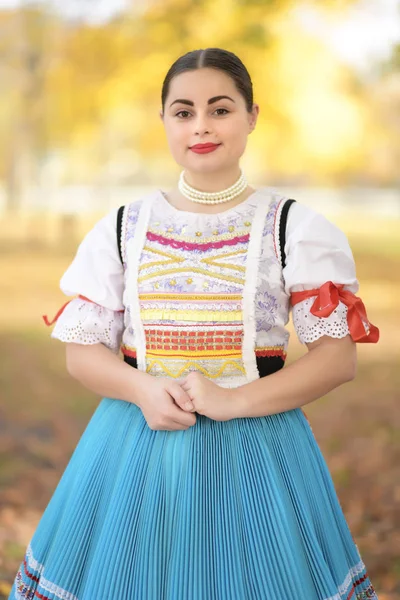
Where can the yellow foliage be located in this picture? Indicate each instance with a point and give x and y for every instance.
(101, 86)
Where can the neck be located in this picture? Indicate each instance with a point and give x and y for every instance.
(212, 182)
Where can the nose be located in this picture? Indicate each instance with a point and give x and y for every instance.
(202, 125)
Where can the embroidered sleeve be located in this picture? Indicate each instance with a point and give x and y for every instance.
(320, 278)
(310, 328)
(84, 322)
(96, 277)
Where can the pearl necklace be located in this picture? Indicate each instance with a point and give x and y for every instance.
(212, 197)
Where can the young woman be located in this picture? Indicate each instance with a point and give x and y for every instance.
(198, 476)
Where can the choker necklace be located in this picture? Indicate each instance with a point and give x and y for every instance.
(212, 197)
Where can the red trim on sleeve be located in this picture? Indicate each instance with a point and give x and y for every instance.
(48, 323)
(327, 299)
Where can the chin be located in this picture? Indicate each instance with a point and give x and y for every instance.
(209, 165)
(210, 168)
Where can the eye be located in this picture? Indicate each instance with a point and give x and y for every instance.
(222, 113)
(183, 114)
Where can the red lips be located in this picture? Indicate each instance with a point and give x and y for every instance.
(204, 148)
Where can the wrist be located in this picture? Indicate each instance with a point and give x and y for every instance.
(238, 402)
(138, 384)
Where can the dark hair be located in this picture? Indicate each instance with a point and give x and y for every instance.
(214, 58)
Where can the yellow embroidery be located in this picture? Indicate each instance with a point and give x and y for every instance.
(196, 353)
(211, 260)
(196, 270)
(171, 258)
(166, 296)
(161, 352)
(198, 368)
(151, 314)
(181, 259)
(160, 252)
(268, 348)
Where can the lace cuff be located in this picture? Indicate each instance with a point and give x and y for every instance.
(85, 322)
(310, 328)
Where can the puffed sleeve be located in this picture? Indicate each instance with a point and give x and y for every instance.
(320, 278)
(96, 277)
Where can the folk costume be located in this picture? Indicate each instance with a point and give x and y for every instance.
(243, 509)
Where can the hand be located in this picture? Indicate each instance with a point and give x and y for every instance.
(208, 398)
(162, 401)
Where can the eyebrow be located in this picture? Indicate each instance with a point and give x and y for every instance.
(210, 101)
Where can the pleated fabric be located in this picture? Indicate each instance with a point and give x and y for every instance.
(236, 510)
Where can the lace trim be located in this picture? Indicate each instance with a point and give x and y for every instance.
(310, 328)
(277, 222)
(250, 289)
(122, 240)
(85, 322)
(131, 294)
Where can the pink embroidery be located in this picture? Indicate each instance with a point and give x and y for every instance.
(195, 246)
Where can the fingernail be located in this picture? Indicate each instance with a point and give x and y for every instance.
(188, 406)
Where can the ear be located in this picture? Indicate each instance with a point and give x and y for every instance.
(253, 116)
(161, 115)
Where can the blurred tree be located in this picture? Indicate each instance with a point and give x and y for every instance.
(384, 98)
(90, 95)
(23, 58)
(393, 63)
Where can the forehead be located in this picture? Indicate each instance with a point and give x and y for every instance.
(201, 84)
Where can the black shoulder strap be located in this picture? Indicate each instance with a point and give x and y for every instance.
(282, 229)
(120, 214)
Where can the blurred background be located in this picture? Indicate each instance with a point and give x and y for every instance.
(80, 133)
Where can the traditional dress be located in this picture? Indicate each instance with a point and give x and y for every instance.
(243, 509)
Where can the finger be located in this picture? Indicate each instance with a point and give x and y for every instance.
(181, 426)
(175, 426)
(181, 416)
(185, 387)
(181, 397)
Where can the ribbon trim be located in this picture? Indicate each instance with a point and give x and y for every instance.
(327, 299)
(61, 310)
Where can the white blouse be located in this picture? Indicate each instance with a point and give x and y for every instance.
(96, 273)
(316, 250)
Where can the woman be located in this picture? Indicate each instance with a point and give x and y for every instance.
(198, 476)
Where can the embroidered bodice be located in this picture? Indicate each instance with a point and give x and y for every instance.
(206, 292)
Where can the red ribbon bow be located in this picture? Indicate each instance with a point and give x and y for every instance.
(328, 297)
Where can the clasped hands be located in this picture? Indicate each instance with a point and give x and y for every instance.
(207, 398)
(170, 404)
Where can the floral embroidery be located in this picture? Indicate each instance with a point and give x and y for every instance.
(266, 309)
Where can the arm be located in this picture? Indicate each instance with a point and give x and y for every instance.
(100, 370)
(92, 325)
(329, 363)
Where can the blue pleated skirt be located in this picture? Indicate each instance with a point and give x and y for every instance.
(235, 510)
